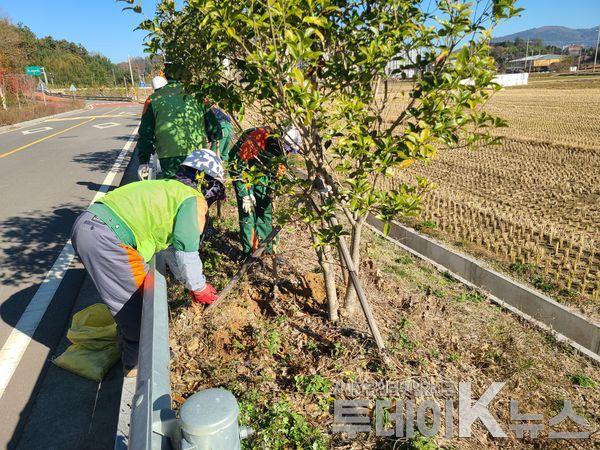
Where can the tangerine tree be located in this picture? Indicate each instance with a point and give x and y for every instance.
(325, 67)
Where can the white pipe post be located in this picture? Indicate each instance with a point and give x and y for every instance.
(3, 98)
(133, 93)
(596, 55)
(43, 91)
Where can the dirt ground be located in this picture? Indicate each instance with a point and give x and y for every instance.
(272, 346)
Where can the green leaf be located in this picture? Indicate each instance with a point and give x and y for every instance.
(318, 21)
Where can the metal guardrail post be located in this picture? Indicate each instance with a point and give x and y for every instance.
(208, 419)
(153, 422)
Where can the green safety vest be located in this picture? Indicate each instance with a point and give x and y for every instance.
(179, 121)
(149, 209)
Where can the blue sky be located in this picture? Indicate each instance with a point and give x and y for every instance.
(567, 13)
(101, 26)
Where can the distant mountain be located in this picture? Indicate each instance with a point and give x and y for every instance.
(554, 35)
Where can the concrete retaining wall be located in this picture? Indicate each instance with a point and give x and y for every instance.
(504, 79)
(512, 79)
(564, 322)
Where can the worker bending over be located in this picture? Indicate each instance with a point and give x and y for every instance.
(118, 235)
(258, 147)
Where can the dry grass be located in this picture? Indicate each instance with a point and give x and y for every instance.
(35, 110)
(282, 359)
(533, 203)
(545, 113)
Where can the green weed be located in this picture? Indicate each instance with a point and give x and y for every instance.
(399, 340)
(543, 284)
(339, 349)
(311, 345)
(568, 293)
(378, 366)
(438, 293)
(404, 259)
(426, 224)
(419, 442)
(312, 384)
(470, 296)
(228, 223)
(580, 379)
(278, 426)
(521, 268)
(453, 356)
(495, 356)
(273, 342)
(394, 270)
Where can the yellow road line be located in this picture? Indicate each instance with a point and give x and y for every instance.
(114, 116)
(18, 149)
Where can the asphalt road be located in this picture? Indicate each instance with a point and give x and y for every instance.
(49, 173)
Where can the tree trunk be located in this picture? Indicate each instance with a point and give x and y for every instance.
(351, 304)
(330, 286)
(325, 262)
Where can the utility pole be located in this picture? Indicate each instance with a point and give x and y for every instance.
(131, 71)
(526, 53)
(596, 55)
(114, 76)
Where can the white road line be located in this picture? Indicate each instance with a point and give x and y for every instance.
(102, 126)
(36, 130)
(14, 348)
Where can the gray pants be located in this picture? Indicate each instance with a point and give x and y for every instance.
(118, 272)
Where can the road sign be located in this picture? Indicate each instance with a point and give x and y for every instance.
(142, 84)
(72, 88)
(36, 71)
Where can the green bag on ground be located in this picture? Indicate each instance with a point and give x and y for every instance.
(95, 346)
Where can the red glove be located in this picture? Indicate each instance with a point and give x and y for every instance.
(206, 295)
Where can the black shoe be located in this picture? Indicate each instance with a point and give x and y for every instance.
(256, 263)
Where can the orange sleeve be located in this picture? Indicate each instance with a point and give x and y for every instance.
(201, 210)
(146, 105)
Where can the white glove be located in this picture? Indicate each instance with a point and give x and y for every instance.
(292, 140)
(248, 203)
(143, 171)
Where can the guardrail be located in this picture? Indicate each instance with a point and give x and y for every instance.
(207, 420)
(152, 419)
